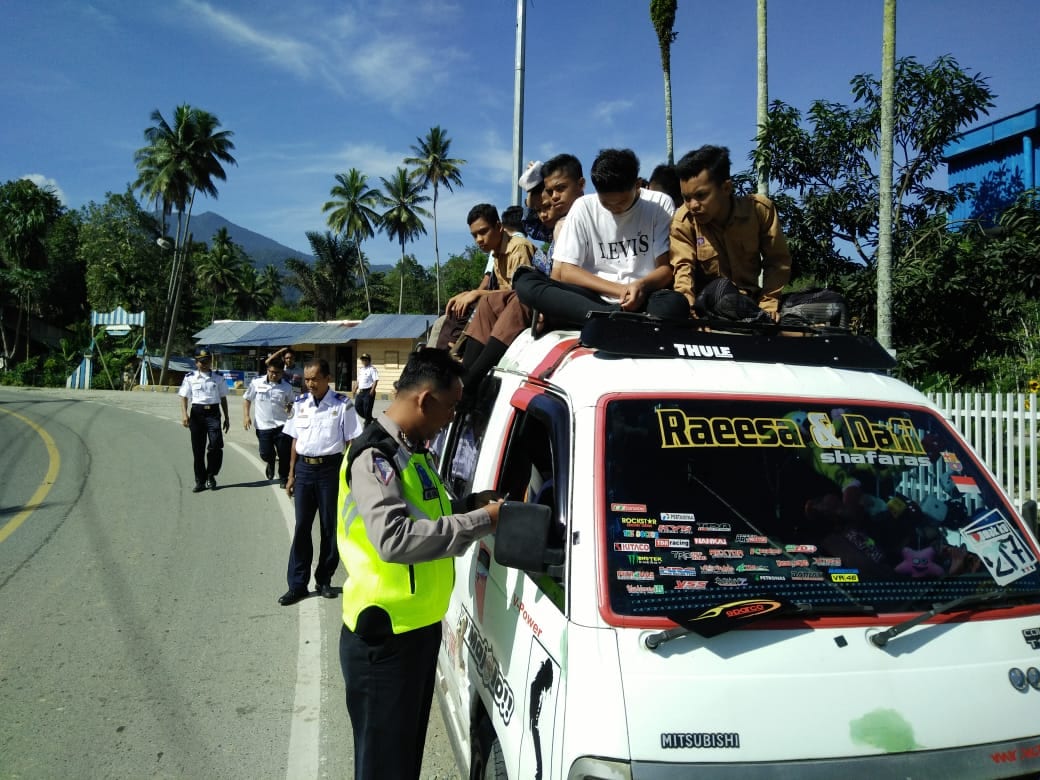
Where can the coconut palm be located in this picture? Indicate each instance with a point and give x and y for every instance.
(662, 15)
(221, 268)
(178, 162)
(402, 219)
(433, 166)
(269, 282)
(353, 215)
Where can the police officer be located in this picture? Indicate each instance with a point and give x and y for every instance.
(398, 530)
(203, 397)
(321, 424)
(273, 396)
(365, 388)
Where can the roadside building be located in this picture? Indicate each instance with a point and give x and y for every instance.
(1000, 158)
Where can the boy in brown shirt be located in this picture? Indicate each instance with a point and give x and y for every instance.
(716, 234)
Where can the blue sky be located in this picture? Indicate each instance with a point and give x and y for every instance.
(314, 87)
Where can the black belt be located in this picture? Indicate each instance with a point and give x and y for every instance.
(317, 461)
(204, 407)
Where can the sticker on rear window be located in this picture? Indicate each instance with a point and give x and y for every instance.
(994, 539)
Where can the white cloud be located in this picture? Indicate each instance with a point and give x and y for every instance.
(608, 110)
(45, 183)
(282, 50)
(385, 52)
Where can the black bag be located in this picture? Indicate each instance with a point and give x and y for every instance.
(722, 300)
(815, 307)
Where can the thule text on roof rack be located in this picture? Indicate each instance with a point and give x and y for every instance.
(639, 335)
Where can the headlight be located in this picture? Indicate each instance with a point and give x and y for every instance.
(591, 768)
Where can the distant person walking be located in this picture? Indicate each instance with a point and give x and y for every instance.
(269, 398)
(203, 395)
(365, 388)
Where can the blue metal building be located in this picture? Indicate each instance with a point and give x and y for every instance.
(1000, 158)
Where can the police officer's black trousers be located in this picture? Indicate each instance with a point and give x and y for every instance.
(275, 445)
(390, 681)
(316, 489)
(206, 441)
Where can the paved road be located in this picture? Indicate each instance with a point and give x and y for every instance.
(139, 630)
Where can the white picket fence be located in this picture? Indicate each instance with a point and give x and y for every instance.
(1002, 429)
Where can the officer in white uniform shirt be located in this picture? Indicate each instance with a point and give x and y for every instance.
(203, 395)
(365, 388)
(269, 398)
(321, 425)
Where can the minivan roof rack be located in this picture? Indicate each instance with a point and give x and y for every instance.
(626, 334)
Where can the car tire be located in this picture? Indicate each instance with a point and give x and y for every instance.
(486, 759)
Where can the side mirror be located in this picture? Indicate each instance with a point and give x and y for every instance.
(522, 537)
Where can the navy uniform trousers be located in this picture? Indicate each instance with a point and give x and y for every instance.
(274, 443)
(316, 490)
(206, 440)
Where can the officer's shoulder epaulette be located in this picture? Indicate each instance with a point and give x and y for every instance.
(302, 397)
(339, 396)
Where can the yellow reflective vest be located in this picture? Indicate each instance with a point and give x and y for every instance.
(414, 595)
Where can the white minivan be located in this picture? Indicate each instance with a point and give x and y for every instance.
(733, 555)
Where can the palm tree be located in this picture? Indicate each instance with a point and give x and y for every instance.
(662, 15)
(269, 285)
(353, 214)
(433, 166)
(178, 162)
(328, 283)
(221, 268)
(402, 219)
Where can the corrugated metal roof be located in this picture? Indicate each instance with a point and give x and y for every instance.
(235, 333)
(328, 333)
(392, 326)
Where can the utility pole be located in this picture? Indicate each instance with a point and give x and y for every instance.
(885, 191)
(180, 252)
(518, 100)
(763, 89)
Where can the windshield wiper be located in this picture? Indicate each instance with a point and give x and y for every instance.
(990, 599)
(725, 617)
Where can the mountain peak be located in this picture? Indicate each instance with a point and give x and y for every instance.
(263, 250)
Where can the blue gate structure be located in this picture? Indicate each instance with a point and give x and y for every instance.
(117, 321)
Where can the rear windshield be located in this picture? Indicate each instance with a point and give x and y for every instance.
(804, 501)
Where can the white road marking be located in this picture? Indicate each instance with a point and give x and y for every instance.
(305, 728)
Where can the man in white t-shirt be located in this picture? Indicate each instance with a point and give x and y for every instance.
(612, 254)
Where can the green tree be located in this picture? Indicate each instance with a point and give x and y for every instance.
(417, 283)
(124, 266)
(219, 270)
(352, 213)
(178, 162)
(402, 221)
(329, 284)
(433, 166)
(27, 215)
(662, 15)
(464, 271)
(269, 286)
(828, 169)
